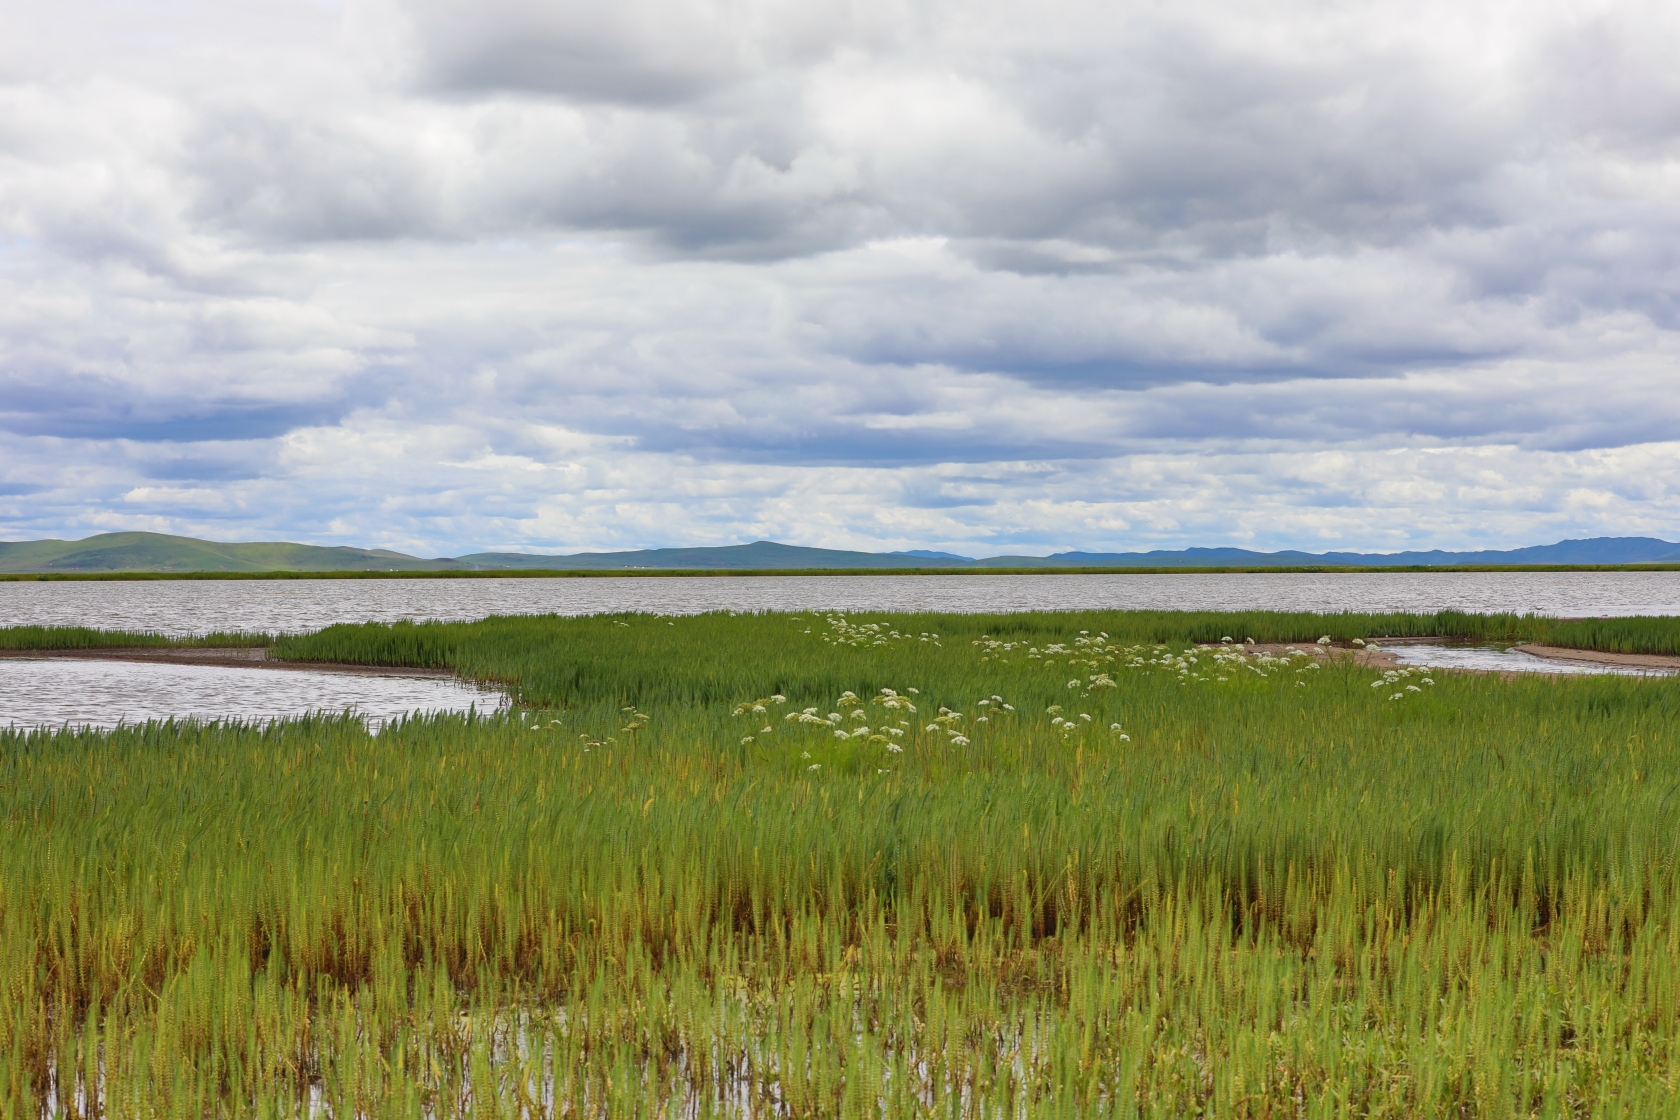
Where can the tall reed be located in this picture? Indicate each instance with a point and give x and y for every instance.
(1239, 888)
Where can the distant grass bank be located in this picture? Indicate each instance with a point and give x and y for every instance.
(622, 573)
(505, 646)
(535, 653)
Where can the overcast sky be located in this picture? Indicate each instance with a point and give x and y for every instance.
(985, 276)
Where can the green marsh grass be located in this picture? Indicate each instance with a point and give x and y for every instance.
(88, 638)
(1280, 893)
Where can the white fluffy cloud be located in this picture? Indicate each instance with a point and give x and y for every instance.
(995, 276)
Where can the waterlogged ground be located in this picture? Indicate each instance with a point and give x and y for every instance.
(1033, 866)
(1496, 659)
(293, 606)
(53, 693)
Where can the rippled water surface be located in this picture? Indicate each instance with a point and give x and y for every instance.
(51, 693)
(1507, 661)
(184, 607)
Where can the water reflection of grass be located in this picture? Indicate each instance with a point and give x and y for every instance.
(1089, 874)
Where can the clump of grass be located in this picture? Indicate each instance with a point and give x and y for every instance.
(699, 873)
(86, 637)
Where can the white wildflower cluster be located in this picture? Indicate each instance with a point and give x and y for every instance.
(1397, 679)
(1067, 725)
(948, 722)
(1231, 658)
(1069, 653)
(1070, 724)
(852, 721)
(634, 720)
(759, 707)
(993, 705)
(1100, 657)
(861, 635)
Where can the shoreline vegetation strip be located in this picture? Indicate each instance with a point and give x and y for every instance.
(887, 865)
(435, 644)
(954, 570)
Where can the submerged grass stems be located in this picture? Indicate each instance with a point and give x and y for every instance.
(856, 866)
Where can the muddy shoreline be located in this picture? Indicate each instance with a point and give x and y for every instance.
(1630, 660)
(250, 657)
(1382, 657)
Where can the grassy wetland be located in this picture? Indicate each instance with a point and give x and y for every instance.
(1029, 865)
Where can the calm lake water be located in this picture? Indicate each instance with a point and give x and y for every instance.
(51, 693)
(183, 607)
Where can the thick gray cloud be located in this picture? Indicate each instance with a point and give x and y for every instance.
(878, 274)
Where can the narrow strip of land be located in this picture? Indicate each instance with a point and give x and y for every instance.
(1600, 657)
(249, 657)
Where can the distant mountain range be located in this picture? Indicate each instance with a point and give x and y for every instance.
(155, 552)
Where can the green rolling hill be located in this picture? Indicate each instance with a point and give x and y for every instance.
(155, 552)
(158, 553)
(760, 555)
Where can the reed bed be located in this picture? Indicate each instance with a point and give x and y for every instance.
(88, 637)
(856, 866)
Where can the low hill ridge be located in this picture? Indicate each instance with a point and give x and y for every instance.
(161, 553)
(158, 552)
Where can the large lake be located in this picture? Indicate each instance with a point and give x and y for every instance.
(270, 606)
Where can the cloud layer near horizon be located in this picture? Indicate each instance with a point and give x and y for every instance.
(988, 277)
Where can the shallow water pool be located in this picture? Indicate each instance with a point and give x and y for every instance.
(1495, 659)
(50, 692)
